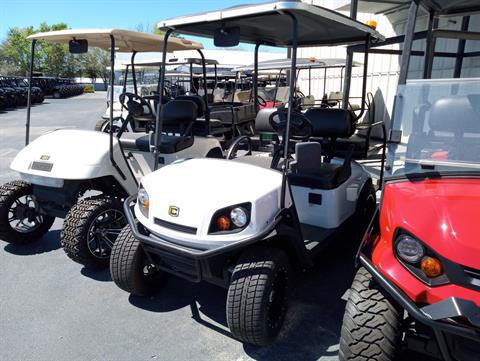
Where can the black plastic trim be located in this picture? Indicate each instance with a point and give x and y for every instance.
(175, 226)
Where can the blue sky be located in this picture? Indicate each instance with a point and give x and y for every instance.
(124, 14)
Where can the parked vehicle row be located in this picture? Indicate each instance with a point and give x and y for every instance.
(179, 192)
(58, 87)
(14, 92)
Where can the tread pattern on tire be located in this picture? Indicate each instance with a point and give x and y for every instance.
(126, 263)
(99, 125)
(16, 189)
(371, 326)
(76, 225)
(246, 297)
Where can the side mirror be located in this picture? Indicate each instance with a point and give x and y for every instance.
(226, 37)
(78, 46)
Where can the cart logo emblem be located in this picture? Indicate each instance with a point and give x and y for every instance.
(173, 211)
(45, 157)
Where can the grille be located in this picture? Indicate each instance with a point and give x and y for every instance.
(474, 273)
(43, 166)
(175, 226)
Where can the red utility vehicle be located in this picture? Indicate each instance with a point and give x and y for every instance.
(419, 281)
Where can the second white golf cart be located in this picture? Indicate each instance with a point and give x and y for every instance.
(83, 176)
(245, 223)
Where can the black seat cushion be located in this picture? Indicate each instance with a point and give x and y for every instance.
(199, 102)
(328, 176)
(331, 123)
(169, 143)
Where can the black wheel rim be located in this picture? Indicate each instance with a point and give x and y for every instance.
(23, 214)
(103, 232)
(276, 299)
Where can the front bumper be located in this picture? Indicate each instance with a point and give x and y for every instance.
(190, 263)
(437, 316)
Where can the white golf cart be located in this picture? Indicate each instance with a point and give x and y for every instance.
(58, 168)
(246, 222)
(141, 78)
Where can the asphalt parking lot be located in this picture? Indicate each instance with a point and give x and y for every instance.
(53, 309)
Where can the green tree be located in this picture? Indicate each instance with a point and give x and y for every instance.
(50, 59)
(15, 51)
(94, 65)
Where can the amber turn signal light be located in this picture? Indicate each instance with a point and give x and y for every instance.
(223, 223)
(432, 267)
(372, 24)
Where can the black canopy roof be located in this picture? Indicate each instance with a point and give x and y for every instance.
(267, 23)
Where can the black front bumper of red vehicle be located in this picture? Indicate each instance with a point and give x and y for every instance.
(437, 316)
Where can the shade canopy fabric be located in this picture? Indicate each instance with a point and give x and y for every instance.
(271, 24)
(125, 40)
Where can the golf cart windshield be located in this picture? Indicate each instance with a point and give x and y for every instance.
(436, 128)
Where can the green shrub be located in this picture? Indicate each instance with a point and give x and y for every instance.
(88, 89)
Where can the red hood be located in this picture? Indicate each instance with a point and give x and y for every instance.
(442, 213)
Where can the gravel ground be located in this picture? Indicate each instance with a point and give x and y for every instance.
(53, 309)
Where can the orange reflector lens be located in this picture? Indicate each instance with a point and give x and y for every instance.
(372, 24)
(432, 267)
(223, 223)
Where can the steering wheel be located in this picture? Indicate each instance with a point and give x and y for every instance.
(134, 104)
(234, 147)
(300, 127)
(261, 101)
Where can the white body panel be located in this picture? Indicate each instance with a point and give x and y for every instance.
(84, 155)
(75, 155)
(199, 188)
(142, 162)
(337, 204)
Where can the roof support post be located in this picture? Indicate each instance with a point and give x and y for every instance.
(134, 74)
(292, 87)
(349, 61)
(255, 77)
(408, 42)
(29, 99)
(112, 82)
(432, 24)
(159, 115)
(461, 49)
(205, 95)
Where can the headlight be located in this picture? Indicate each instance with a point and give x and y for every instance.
(230, 219)
(420, 259)
(239, 216)
(143, 201)
(409, 249)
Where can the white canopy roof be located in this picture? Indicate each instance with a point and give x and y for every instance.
(125, 40)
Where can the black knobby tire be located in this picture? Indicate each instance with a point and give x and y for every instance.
(10, 194)
(101, 125)
(258, 295)
(129, 266)
(372, 323)
(82, 238)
